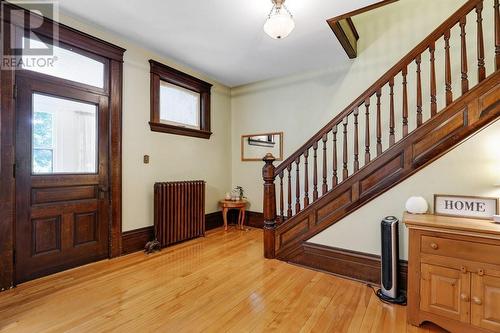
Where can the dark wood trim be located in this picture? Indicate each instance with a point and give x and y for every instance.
(254, 219)
(181, 79)
(161, 72)
(7, 160)
(362, 10)
(345, 31)
(342, 30)
(68, 35)
(114, 59)
(213, 220)
(172, 129)
(353, 265)
(115, 149)
(134, 240)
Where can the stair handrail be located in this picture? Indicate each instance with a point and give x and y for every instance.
(384, 79)
(270, 172)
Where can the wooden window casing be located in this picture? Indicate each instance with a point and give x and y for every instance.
(160, 72)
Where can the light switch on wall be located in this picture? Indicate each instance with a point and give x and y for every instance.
(146, 159)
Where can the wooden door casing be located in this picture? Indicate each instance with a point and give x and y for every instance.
(445, 292)
(62, 220)
(485, 310)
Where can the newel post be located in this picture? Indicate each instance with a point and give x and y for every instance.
(269, 206)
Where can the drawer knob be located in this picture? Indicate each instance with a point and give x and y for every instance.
(465, 297)
(477, 300)
(434, 246)
(480, 272)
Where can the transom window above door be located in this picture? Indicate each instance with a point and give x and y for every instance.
(180, 103)
(64, 62)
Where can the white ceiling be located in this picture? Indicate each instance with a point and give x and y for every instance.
(224, 38)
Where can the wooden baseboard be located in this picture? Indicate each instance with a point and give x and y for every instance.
(213, 220)
(134, 240)
(354, 265)
(254, 220)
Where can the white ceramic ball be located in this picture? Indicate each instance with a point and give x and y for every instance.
(417, 205)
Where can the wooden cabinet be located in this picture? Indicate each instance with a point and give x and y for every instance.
(454, 273)
(486, 301)
(445, 292)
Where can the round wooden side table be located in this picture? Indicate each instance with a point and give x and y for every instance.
(234, 204)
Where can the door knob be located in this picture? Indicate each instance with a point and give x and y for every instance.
(477, 300)
(464, 298)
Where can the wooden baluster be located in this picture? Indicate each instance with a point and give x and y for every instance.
(297, 186)
(449, 93)
(497, 34)
(356, 145)
(345, 172)
(419, 91)
(306, 180)
(392, 138)
(289, 202)
(465, 79)
(335, 178)
(432, 50)
(269, 207)
(324, 188)
(379, 123)
(405, 101)
(367, 131)
(480, 43)
(315, 171)
(281, 196)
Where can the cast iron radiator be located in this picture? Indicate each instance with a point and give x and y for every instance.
(179, 211)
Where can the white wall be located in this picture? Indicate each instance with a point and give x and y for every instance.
(171, 157)
(300, 105)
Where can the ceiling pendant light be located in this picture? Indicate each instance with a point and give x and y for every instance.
(280, 22)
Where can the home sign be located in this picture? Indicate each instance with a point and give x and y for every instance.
(465, 206)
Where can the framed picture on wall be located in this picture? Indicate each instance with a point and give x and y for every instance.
(255, 146)
(466, 206)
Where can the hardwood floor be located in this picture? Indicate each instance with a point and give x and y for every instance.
(220, 283)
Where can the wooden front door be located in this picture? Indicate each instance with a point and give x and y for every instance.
(61, 173)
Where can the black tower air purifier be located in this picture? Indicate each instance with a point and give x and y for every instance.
(389, 291)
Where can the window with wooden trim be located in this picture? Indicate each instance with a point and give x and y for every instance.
(180, 103)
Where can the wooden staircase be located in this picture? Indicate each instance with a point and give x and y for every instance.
(310, 198)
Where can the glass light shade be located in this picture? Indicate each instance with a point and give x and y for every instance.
(279, 24)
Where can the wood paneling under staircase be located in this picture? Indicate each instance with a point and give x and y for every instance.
(327, 179)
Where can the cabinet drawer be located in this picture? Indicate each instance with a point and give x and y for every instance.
(480, 252)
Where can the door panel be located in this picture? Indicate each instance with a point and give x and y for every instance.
(62, 202)
(486, 302)
(445, 292)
